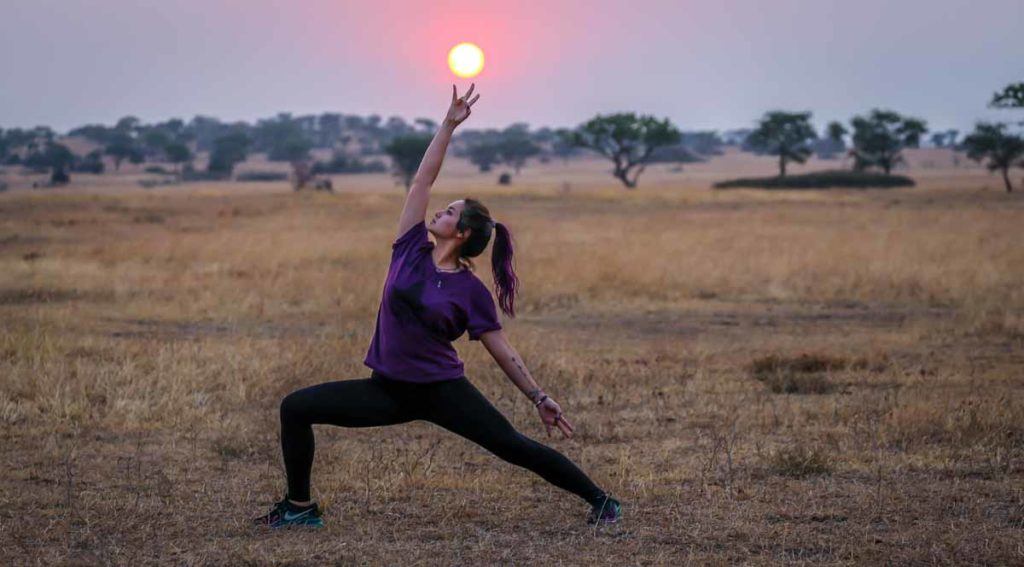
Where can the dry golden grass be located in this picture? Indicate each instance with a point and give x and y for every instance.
(147, 337)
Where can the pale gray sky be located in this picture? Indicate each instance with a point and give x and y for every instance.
(703, 64)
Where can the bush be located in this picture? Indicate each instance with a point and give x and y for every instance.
(261, 176)
(158, 170)
(821, 180)
(804, 374)
(807, 373)
(800, 460)
(59, 177)
(504, 179)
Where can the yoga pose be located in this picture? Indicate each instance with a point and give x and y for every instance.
(431, 296)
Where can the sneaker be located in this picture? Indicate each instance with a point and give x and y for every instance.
(284, 513)
(609, 512)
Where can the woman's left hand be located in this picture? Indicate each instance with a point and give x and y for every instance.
(460, 107)
(551, 415)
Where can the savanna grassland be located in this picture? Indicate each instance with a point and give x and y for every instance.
(761, 377)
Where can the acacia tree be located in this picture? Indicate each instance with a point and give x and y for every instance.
(484, 155)
(785, 134)
(836, 131)
(228, 150)
(515, 150)
(123, 146)
(55, 157)
(993, 143)
(879, 138)
(406, 153)
(515, 146)
(562, 146)
(178, 153)
(627, 140)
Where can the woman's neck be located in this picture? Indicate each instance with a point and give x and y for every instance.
(441, 267)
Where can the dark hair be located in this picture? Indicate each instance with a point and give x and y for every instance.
(476, 217)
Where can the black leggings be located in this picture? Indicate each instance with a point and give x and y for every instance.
(455, 405)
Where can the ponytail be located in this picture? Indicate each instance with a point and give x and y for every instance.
(505, 281)
(476, 217)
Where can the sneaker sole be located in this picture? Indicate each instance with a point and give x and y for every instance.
(314, 523)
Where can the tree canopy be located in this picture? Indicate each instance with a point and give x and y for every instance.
(880, 137)
(228, 150)
(1012, 96)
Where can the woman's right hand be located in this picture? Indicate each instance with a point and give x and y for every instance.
(551, 415)
(460, 108)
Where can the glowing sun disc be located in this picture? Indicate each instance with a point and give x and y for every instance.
(466, 60)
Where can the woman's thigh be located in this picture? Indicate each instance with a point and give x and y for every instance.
(461, 408)
(364, 402)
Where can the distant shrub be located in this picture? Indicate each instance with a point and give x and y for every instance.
(505, 179)
(59, 177)
(803, 363)
(150, 183)
(800, 460)
(821, 180)
(158, 170)
(796, 383)
(806, 373)
(261, 176)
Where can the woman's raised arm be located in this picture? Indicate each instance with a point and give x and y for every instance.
(415, 209)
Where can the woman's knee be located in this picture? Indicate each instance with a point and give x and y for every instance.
(292, 406)
(515, 447)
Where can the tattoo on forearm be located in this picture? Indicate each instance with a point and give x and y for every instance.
(522, 370)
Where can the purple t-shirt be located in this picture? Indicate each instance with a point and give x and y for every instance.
(423, 310)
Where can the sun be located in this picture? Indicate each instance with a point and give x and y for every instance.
(466, 60)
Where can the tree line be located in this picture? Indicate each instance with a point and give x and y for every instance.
(630, 141)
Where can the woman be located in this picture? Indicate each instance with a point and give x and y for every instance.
(430, 298)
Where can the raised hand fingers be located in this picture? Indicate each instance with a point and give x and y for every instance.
(470, 103)
(469, 92)
(454, 94)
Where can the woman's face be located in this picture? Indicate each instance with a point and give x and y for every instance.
(444, 222)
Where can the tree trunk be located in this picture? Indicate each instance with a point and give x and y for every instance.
(622, 175)
(1006, 180)
(782, 165)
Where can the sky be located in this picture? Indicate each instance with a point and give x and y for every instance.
(703, 64)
